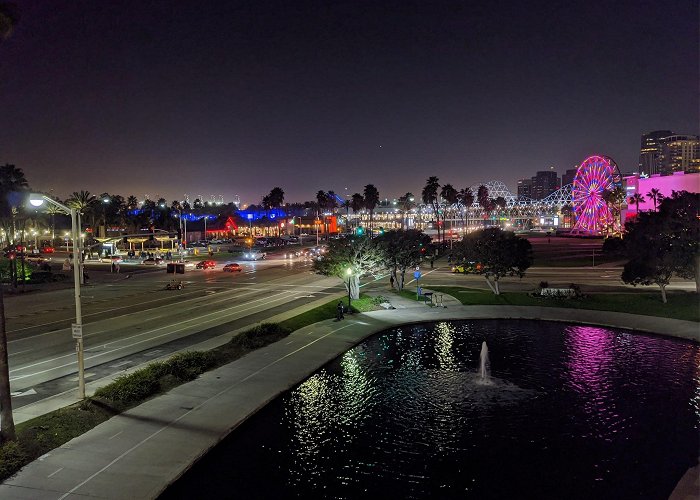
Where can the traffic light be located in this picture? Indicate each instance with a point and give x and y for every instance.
(360, 230)
(381, 230)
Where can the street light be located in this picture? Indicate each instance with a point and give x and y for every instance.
(37, 200)
(349, 273)
(105, 202)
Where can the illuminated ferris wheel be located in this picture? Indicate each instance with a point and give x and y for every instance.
(595, 176)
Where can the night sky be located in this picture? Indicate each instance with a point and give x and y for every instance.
(236, 97)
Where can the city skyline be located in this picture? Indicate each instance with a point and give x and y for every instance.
(309, 97)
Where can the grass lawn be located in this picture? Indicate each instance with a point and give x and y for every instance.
(683, 306)
(328, 311)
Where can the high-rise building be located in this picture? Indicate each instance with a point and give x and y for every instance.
(680, 153)
(664, 152)
(544, 183)
(650, 153)
(525, 188)
(569, 175)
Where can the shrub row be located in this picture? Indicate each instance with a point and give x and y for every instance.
(46, 432)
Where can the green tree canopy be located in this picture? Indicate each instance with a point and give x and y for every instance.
(401, 250)
(358, 254)
(498, 253)
(661, 244)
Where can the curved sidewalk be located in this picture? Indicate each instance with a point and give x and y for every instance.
(139, 453)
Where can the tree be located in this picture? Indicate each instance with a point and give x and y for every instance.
(614, 199)
(358, 254)
(451, 196)
(371, 199)
(482, 198)
(12, 182)
(407, 202)
(635, 200)
(357, 203)
(681, 214)
(648, 246)
(276, 197)
(655, 196)
(429, 196)
(402, 249)
(496, 254)
(466, 198)
(346, 206)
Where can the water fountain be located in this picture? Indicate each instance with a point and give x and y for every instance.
(484, 364)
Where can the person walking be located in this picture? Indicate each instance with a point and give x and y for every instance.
(432, 259)
(116, 267)
(113, 267)
(391, 281)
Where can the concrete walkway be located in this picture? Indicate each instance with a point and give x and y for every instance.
(139, 453)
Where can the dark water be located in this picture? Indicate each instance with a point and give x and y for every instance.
(573, 412)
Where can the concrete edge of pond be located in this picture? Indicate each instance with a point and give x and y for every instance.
(138, 454)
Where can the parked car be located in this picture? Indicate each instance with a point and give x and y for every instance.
(153, 261)
(47, 249)
(206, 264)
(232, 267)
(467, 267)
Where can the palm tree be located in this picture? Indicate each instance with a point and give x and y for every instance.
(430, 197)
(451, 196)
(467, 198)
(132, 203)
(357, 203)
(53, 210)
(635, 200)
(501, 203)
(82, 201)
(371, 197)
(655, 196)
(406, 202)
(482, 196)
(346, 206)
(12, 180)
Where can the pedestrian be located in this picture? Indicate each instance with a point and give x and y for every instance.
(116, 267)
(113, 267)
(340, 311)
(431, 262)
(391, 281)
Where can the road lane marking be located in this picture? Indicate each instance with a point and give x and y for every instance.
(112, 437)
(149, 339)
(55, 472)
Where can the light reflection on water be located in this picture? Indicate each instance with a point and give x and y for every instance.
(573, 412)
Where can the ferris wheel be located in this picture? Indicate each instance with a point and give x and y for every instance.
(594, 176)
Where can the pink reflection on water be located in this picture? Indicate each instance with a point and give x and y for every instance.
(591, 362)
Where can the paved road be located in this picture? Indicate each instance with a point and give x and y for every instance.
(130, 321)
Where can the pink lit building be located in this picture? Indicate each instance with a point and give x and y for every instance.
(666, 184)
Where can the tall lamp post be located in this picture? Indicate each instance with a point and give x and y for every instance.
(349, 273)
(105, 202)
(37, 200)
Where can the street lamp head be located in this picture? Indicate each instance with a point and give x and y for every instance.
(36, 200)
(105, 200)
(349, 271)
